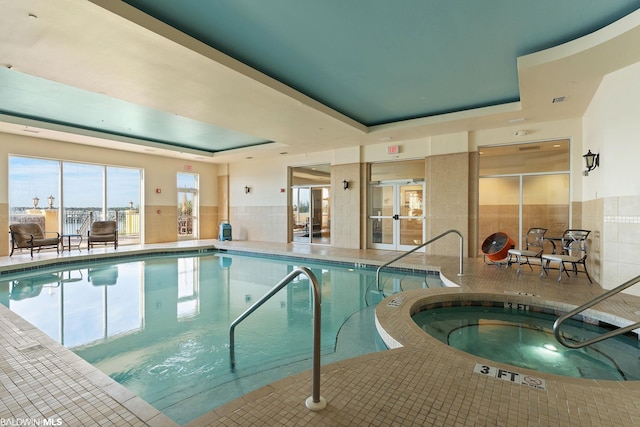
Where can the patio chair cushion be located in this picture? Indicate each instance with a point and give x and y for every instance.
(103, 232)
(30, 235)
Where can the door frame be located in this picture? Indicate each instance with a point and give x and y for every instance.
(195, 207)
(396, 216)
(308, 231)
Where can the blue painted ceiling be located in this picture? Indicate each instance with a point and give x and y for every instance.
(374, 61)
(380, 61)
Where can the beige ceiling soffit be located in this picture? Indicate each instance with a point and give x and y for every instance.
(574, 70)
(448, 118)
(611, 36)
(143, 20)
(16, 125)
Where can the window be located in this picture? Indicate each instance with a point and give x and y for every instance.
(523, 186)
(65, 197)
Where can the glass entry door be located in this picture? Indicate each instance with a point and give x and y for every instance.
(396, 215)
(311, 216)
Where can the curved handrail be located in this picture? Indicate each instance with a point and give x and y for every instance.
(315, 402)
(610, 334)
(418, 247)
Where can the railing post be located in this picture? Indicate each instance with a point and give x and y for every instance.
(418, 247)
(315, 402)
(461, 273)
(621, 330)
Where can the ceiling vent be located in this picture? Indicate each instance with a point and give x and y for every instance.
(559, 99)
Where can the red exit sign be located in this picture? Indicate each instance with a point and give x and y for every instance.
(393, 149)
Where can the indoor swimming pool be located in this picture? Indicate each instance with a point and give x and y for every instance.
(524, 337)
(159, 325)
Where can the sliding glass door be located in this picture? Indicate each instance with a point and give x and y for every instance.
(123, 189)
(65, 197)
(82, 196)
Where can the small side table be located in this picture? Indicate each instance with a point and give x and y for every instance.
(68, 243)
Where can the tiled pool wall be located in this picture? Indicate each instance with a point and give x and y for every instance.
(346, 264)
(62, 262)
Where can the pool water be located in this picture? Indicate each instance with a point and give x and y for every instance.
(525, 339)
(160, 325)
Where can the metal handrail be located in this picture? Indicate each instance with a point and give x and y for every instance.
(315, 402)
(418, 247)
(610, 334)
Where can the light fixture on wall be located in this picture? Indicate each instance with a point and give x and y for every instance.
(247, 189)
(592, 161)
(50, 200)
(35, 202)
(345, 185)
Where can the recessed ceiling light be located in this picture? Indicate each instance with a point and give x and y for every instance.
(33, 15)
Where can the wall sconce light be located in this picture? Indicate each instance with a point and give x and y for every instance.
(592, 161)
(247, 189)
(345, 185)
(35, 202)
(50, 200)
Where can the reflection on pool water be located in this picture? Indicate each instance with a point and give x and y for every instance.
(159, 325)
(525, 339)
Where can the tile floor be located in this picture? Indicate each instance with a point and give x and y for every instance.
(421, 383)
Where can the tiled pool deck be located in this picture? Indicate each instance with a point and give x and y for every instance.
(422, 383)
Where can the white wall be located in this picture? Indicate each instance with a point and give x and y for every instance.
(612, 128)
